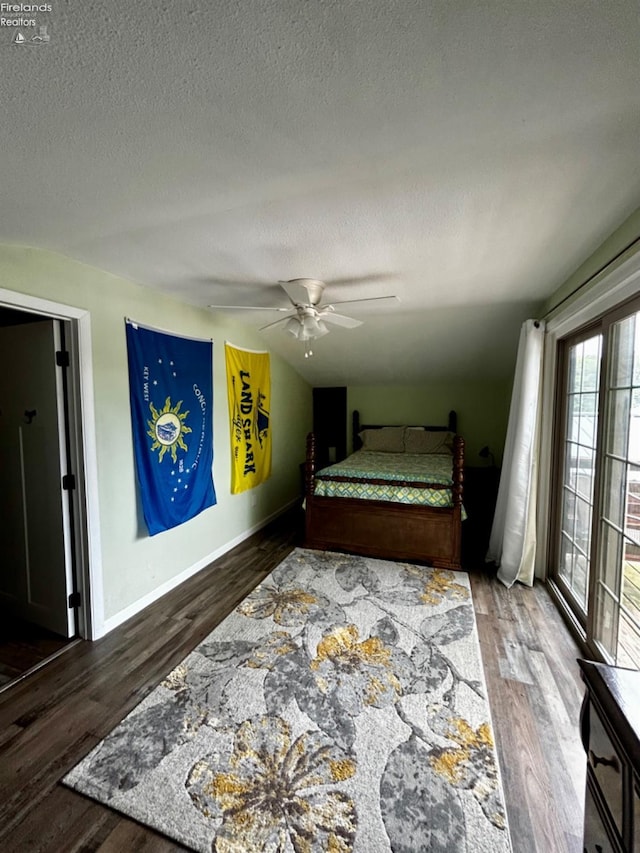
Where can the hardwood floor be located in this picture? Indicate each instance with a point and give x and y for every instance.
(24, 646)
(52, 718)
(535, 694)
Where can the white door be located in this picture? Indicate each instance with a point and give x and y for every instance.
(36, 575)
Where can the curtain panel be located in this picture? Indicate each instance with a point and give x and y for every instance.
(512, 545)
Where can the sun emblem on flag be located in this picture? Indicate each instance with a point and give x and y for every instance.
(167, 428)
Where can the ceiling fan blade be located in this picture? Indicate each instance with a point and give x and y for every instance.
(248, 307)
(278, 322)
(339, 319)
(303, 291)
(351, 301)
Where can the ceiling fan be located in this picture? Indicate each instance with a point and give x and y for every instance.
(307, 317)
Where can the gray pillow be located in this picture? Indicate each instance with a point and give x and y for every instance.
(428, 441)
(385, 439)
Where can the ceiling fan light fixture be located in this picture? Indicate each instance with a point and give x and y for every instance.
(293, 326)
(306, 328)
(312, 327)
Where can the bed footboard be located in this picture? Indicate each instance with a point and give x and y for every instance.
(382, 528)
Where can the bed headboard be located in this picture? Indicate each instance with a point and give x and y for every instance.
(451, 426)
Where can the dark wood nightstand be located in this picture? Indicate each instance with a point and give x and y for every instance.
(479, 499)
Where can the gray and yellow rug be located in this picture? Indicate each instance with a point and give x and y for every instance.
(341, 707)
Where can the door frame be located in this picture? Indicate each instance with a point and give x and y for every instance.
(82, 438)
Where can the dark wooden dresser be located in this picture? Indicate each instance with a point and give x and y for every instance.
(610, 730)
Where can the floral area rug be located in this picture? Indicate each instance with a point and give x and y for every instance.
(340, 707)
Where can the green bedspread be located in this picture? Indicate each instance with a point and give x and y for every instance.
(391, 467)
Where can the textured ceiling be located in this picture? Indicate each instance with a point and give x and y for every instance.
(466, 156)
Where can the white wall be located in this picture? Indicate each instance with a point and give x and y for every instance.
(135, 566)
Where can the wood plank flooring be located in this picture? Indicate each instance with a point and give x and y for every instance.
(24, 646)
(535, 695)
(51, 719)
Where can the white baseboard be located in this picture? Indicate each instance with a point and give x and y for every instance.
(135, 608)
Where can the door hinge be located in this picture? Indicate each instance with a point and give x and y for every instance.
(62, 358)
(69, 482)
(74, 599)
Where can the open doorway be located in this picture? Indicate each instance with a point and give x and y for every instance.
(40, 590)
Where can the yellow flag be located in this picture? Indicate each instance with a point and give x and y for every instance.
(249, 395)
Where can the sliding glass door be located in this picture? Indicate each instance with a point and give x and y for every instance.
(595, 564)
(616, 594)
(581, 396)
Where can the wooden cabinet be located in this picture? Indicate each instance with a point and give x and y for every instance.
(610, 729)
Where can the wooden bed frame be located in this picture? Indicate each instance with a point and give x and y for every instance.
(382, 528)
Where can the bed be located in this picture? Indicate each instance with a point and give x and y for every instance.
(406, 508)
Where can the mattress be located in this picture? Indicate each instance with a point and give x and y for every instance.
(392, 468)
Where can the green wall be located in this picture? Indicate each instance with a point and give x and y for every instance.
(482, 407)
(616, 243)
(134, 565)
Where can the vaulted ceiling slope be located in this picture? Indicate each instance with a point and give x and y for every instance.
(465, 156)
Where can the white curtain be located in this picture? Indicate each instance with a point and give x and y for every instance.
(512, 546)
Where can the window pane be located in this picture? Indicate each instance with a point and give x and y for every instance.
(629, 625)
(610, 557)
(621, 355)
(589, 404)
(566, 559)
(580, 578)
(632, 511)
(575, 369)
(606, 622)
(636, 355)
(631, 583)
(586, 464)
(578, 476)
(613, 500)
(618, 422)
(573, 418)
(628, 643)
(569, 513)
(591, 364)
(634, 425)
(585, 484)
(571, 465)
(583, 525)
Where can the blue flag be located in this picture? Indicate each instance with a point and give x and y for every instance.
(171, 394)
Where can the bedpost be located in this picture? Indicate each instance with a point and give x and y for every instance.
(453, 421)
(310, 465)
(458, 469)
